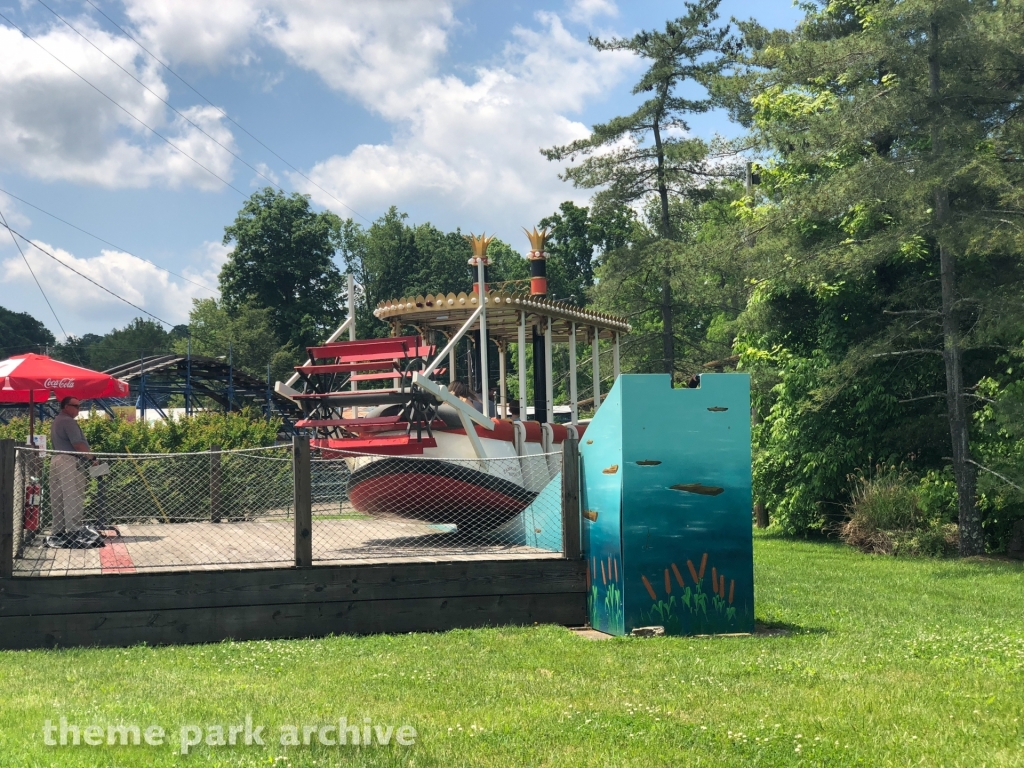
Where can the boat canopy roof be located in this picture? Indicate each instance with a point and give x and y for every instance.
(449, 312)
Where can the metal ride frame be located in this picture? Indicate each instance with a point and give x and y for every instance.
(504, 317)
(501, 317)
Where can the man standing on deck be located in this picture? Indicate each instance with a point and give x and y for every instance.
(67, 483)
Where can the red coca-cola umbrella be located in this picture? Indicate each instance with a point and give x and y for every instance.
(32, 378)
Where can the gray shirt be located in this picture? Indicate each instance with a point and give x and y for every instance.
(64, 432)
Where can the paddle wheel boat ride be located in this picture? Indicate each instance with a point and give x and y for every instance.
(416, 450)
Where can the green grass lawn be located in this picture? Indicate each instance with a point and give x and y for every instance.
(884, 662)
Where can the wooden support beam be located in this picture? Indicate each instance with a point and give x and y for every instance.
(573, 394)
(247, 604)
(215, 481)
(117, 592)
(521, 343)
(615, 359)
(268, 622)
(502, 375)
(595, 350)
(549, 403)
(571, 546)
(7, 507)
(303, 502)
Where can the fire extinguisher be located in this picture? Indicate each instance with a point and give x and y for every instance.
(33, 500)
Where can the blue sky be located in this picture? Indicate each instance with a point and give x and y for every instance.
(436, 107)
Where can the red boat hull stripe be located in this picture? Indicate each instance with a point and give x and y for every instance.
(436, 491)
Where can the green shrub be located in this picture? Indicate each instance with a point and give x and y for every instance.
(247, 429)
(893, 512)
(174, 489)
(887, 500)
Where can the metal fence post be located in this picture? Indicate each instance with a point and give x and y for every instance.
(215, 506)
(6, 508)
(303, 502)
(571, 499)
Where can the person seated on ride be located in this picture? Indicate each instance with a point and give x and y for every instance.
(466, 395)
(513, 410)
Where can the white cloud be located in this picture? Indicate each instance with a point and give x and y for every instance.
(259, 180)
(365, 48)
(56, 127)
(372, 50)
(15, 218)
(212, 255)
(587, 10)
(470, 149)
(464, 149)
(197, 31)
(462, 146)
(84, 308)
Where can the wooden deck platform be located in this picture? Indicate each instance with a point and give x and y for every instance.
(248, 604)
(207, 546)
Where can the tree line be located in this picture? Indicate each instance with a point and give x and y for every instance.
(857, 249)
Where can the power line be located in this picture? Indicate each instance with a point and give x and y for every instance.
(123, 109)
(225, 114)
(158, 96)
(98, 285)
(36, 279)
(107, 242)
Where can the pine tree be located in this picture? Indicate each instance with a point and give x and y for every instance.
(893, 132)
(648, 153)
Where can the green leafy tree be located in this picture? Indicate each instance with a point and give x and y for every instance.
(578, 239)
(75, 349)
(443, 259)
(391, 258)
(707, 286)
(570, 249)
(384, 259)
(649, 153)
(22, 333)
(283, 261)
(248, 333)
(507, 266)
(893, 144)
(244, 429)
(140, 338)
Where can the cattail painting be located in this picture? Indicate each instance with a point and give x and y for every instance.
(679, 576)
(693, 572)
(650, 589)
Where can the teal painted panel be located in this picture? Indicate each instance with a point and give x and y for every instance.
(542, 520)
(601, 501)
(684, 550)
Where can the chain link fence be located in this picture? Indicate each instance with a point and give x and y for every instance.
(382, 507)
(227, 509)
(130, 512)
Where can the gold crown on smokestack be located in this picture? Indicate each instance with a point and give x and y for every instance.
(479, 244)
(537, 239)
